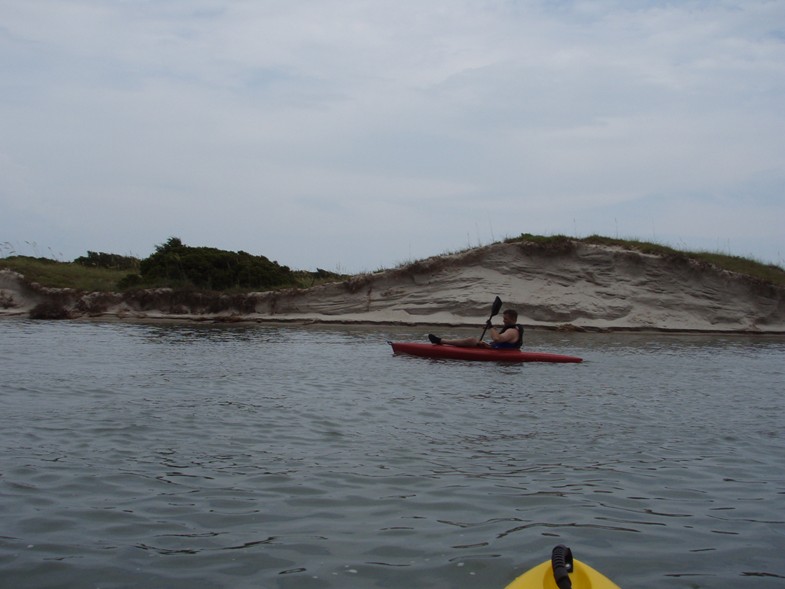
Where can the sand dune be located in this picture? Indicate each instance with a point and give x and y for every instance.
(583, 287)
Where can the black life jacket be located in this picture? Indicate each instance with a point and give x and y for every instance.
(519, 342)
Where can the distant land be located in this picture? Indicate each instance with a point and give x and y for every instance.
(595, 284)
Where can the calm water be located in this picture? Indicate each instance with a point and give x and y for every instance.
(266, 457)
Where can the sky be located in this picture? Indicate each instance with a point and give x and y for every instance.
(356, 135)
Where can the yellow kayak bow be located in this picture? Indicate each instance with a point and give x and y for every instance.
(562, 572)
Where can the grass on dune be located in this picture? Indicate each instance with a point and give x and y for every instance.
(52, 273)
(55, 274)
(770, 273)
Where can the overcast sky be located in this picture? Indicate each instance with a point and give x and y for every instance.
(355, 135)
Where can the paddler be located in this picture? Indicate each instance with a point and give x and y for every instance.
(508, 337)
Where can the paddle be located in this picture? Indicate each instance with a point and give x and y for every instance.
(497, 305)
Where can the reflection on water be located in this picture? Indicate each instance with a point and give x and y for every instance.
(254, 456)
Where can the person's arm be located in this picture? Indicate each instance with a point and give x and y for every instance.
(510, 336)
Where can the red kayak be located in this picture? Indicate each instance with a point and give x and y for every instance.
(486, 354)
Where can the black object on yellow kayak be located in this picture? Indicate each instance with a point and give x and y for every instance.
(562, 572)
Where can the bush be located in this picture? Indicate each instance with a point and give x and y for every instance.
(110, 261)
(176, 264)
(129, 281)
(49, 310)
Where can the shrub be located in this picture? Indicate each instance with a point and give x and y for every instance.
(110, 261)
(176, 264)
(129, 281)
(49, 310)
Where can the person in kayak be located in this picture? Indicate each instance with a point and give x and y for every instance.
(509, 337)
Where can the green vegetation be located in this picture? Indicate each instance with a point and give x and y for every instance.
(206, 268)
(64, 274)
(770, 273)
(110, 261)
(173, 265)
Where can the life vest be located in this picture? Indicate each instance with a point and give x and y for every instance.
(505, 345)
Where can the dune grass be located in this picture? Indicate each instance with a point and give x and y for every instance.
(770, 273)
(55, 274)
(52, 273)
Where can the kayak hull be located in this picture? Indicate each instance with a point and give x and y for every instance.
(582, 577)
(478, 354)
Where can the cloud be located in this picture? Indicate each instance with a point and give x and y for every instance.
(388, 130)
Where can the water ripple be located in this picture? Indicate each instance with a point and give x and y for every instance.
(184, 456)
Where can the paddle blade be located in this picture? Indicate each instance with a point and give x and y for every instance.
(497, 305)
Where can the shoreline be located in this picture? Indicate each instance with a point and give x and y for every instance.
(370, 323)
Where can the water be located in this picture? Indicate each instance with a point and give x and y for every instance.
(276, 457)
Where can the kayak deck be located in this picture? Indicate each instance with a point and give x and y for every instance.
(583, 577)
(481, 354)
